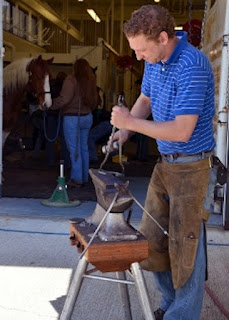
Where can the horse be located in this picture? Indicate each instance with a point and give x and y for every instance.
(28, 74)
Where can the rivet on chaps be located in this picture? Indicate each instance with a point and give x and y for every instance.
(115, 227)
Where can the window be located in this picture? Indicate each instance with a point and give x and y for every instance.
(17, 21)
(34, 31)
(8, 10)
(22, 23)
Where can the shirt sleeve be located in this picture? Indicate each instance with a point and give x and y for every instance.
(145, 87)
(191, 90)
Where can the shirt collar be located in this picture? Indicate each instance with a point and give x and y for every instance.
(181, 44)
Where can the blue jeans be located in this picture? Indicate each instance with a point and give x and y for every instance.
(103, 129)
(184, 303)
(76, 131)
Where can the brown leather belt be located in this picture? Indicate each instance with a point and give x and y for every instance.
(177, 155)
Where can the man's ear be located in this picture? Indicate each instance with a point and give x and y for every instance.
(163, 38)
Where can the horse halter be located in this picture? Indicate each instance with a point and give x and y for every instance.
(35, 94)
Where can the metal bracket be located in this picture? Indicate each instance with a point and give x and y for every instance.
(225, 40)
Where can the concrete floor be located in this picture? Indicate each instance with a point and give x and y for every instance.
(37, 263)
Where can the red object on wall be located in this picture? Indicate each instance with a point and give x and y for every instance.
(193, 28)
(125, 62)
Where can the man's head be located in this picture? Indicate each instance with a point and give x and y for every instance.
(150, 32)
(150, 20)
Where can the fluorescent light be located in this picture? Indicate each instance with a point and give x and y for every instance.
(178, 28)
(156, 0)
(93, 15)
(80, 0)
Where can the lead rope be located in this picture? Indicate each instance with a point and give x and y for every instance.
(51, 139)
(78, 132)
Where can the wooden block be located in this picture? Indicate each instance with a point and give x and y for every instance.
(108, 256)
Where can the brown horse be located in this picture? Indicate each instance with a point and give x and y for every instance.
(27, 74)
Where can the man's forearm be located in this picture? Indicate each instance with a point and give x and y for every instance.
(141, 108)
(179, 129)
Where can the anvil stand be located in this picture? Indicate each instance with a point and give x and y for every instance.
(116, 246)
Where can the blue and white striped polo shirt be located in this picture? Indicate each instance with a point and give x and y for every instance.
(183, 85)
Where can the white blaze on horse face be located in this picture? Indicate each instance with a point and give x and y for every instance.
(4, 137)
(48, 100)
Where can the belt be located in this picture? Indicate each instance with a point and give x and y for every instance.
(177, 155)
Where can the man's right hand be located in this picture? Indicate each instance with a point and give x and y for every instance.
(121, 136)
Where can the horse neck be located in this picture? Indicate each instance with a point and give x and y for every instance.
(12, 92)
(15, 75)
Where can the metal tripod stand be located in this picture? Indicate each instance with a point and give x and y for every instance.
(139, 281)
(114, 247)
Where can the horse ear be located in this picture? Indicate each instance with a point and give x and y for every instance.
(94, 69)
(39, 58)
(50, 60)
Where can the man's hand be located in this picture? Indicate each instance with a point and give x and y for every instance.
(120, 117)
(121, 136)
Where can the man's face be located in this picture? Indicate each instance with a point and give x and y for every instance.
(148, 50)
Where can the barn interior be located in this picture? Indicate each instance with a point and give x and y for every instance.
(65, 30)
(37, 265)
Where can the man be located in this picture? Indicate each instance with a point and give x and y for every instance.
(178, 88)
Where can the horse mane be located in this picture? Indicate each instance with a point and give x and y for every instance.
(15, 74)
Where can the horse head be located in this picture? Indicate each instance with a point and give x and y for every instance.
(38, 83)
(20, 75)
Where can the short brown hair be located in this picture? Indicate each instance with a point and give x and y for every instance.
(150, 20)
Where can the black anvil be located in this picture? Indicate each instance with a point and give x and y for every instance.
(107, 184)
